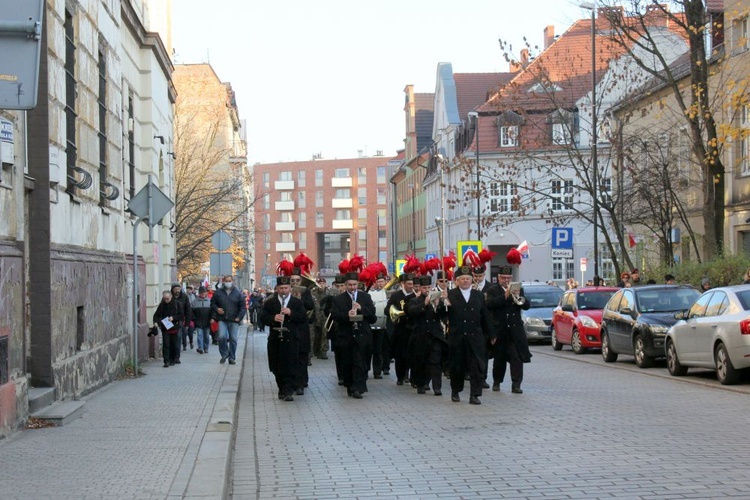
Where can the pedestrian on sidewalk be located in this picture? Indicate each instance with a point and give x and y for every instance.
(287, 319)
(182, 302)
(202, 320)
(228, 307)
(165, 317)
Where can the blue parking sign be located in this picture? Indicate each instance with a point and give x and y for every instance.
(562, 237)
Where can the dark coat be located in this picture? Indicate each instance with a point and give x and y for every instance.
(202, 312)
(402, 329)
(282, 350)
(509, 323)
(342, 304)
(468, 321)
(425, 318)
(184, 311)
(165, 310)
(233, 304)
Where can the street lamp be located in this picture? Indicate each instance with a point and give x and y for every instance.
(594, 139)
(441, 159)
(475, 115)
(413, 219)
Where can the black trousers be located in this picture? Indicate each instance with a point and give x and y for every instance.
(170, 347)
(353, 351)
(301, 376)
(376, 360)
(506, 356)
(466, 358)
(435, 359)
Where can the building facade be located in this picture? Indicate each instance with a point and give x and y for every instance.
(105, 95)
(328, 209)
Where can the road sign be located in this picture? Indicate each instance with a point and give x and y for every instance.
(584, 262)
(562, 237)
(221, 240)
(221, 263)
(463, 246)
(150, 204)
(20, 46)
(400, 263)
(429, 256)
(562, 253)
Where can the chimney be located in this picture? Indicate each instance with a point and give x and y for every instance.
(516, 66)
(549, 35)
(657, 15)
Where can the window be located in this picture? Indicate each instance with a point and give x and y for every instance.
(302, 220)
(266, 222)
(743, 144)
(301, 199)
(362, 217)
(343, 193)
(361, 175)
(508, 196)
(319, 220)
(343, 214)
(285, 217)
(362, 195)
(301, 178)
(302, 241)
(266, 201)
(131, 146)
(718, 304)
(341, 173)
(605, 190)
(267, 241)
(104, 186)
(382, 217)
(563, 269)
(562, 195)
(71, 96)
(287, 237)
(508, 136)
(740, 38)
(561, 135)
(285, 196)
(381, 196)
(381, 238)
(318, 198)
(381, 175)
(285, 176)
(318, 178)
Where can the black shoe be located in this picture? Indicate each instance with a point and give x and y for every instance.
(421, 390)
(309, 363)
(455, 397)
(199, 351)
(473, 400)
(177, 362)
(356, 395)
(232, 362)
(222, 360)
(281, 395)
(399, 382)
(323, 357)
(191, 345)
(386, 372)
(300, 392)
(166, 365)
(496, 387)
(485, 385)
(438, 393)
(171, 363)
(516, 390)
(378, 376)
(341, 382)
(288, 397)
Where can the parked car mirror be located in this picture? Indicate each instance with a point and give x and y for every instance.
(680, 315)
(626, 311)
(567, 308)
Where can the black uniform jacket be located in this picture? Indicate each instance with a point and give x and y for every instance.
(468, 319)
(342, 304)
(509, 322)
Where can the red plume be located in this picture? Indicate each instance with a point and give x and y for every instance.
(368, 276)
(379, 268)
(304, 263)
(449, 262)
(284, 268)
(485, 256)
(356, 263)
(429, 266)
(514, 257)
(471, 258)
(412, 264)
(449, 274)
(344, 266)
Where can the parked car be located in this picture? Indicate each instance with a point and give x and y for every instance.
(714, 333)
(635, 321)
(576, 320)
(537, 320)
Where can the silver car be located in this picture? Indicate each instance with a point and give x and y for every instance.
(713, 333)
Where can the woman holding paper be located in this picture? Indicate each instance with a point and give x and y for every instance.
(166, 318)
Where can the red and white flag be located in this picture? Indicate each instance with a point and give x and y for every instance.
(632, 241)
(523, 248)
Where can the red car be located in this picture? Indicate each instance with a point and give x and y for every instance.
(577, 319)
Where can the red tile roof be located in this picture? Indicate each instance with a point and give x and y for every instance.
(473, 89)
(715, 5)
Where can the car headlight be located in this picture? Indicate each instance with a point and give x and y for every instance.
(532, 321)
(588, 322)
(660, 329)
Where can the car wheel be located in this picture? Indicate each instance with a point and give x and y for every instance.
(725, 371)
(639, 350)
(673, 364)
(575, 342)
(556, 345)
(607, 354)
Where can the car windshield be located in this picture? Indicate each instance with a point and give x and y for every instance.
(744, 298)
(666, 299)
(593, 300)
(543, 298)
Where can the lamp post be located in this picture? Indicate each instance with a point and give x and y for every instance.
(475, 115)
(413, 219)
(594, 139)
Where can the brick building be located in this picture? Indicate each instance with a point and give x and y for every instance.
(329, 209)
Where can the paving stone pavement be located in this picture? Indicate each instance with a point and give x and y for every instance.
(580, 430)
(155, 437)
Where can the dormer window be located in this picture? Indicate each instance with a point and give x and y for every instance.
(563, 127)
(544, 88)
(508, 128)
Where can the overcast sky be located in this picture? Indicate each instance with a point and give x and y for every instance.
(327, 76)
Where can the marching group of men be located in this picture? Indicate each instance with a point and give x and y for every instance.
(450, 328)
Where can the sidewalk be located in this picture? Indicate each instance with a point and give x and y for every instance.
(167, 434)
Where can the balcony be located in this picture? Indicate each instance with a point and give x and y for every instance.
(343, 224)
(283, 205)
(341, 182)
(283, 185)
(342, 203)
(285, 226)
(285, 247)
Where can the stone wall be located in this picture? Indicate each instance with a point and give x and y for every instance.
(13, 402)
